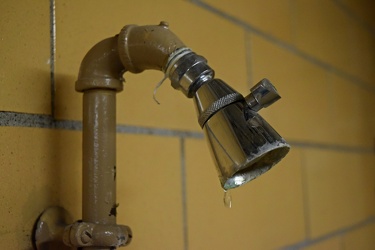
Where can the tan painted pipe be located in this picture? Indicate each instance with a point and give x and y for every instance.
(101, 67)
(147, 47)
(99, 156)
(135, 49)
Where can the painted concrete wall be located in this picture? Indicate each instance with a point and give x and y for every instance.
(319, 53)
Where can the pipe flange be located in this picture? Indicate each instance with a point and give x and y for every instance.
(85, 234)
(101, 68)
(124, 49)
(49, 228)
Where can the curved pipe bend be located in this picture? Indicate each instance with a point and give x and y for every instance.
(135, 49)
(147, 47)
(101, 68)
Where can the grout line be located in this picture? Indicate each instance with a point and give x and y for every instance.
(241, 23)
(332, 147)
(52, 54)
(289, 47)
(184, 194)
(14, 119)
(348, 11)
(128, 129)
(305, 198)
(337, 233)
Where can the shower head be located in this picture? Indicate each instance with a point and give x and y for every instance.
(242, 143)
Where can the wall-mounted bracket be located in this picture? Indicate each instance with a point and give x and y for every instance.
(84, 234)
(49, 229)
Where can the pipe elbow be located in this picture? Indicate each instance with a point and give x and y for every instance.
(101, 67)
(147, 47)
(135, 49)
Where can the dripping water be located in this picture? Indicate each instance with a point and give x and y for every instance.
(227, 199)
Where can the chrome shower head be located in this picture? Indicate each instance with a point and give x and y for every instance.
(242, 143)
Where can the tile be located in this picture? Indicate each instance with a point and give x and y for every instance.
(322, 31)
(362, 53)
(349, 107)
(301, 113)
(329, 244)
(361, 238)
(35, 175)
(271, 17)
(15, 240)
(362, 11)
(270, 205)
(340, 189)
(149, 190)
(200, 33)
(25, 53)
(368, 102)
(316, 106)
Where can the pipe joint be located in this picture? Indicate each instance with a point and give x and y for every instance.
(101, 68)
(188, 71)
(134, 49)
(84, 234)
(147, 47)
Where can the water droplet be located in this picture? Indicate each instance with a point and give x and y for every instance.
(227, 198)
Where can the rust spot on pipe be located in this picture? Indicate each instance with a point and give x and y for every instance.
(114, 173)
(113, 211)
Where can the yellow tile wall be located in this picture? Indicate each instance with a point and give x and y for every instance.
(274, 18)
(25, 57)
(323, 32)
(331, 244)
(39, 169)
(320, 56)
(331, 205)
(362, 238)
(362, 11)
(255, 212)
(149, 190)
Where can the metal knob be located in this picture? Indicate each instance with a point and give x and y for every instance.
(262, 95)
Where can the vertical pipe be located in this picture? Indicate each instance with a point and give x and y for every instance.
(99, 156)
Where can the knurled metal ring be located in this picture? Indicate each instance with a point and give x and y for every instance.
(217, 105)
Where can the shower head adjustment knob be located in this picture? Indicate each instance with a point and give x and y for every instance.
(262, 95)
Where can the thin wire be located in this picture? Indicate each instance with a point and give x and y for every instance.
(157, 87)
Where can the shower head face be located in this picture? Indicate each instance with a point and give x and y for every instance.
(242, 143)
(258, 166)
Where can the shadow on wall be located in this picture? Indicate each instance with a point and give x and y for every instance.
(56, 178)
(42, 190)
(65, 87)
